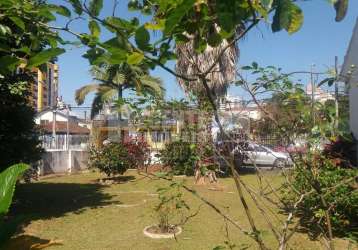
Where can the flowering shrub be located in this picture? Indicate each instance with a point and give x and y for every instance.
(111, 159)
(138, 151)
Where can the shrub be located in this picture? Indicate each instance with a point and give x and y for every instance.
(180, 156)
(338, 187)
(138, 152)
(111, 159)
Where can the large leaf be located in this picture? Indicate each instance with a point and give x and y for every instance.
(142, 38)
(177, 14)
(95, 7)
(76, 4)
(288, 16)
(114, 23)
(44, 56)
(8, 63)
(19, 23)
(135, 58)
(94, 28)
(61, 10)
(8, 180)
(341, 7)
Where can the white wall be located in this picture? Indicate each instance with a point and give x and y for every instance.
(48, 115)
(350, 76)
(63, 161)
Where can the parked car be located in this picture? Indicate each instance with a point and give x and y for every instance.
(248, 153)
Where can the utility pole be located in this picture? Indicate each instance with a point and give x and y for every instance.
(68, 127)
(312, 95)
(54, 127)
(336, 120)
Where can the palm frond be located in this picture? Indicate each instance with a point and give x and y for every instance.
(152, 85)
(189, 61)
(107, 94)
(81, 93)
(97, 105)
(113, 79)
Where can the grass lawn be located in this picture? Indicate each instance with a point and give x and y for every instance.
(83, 214)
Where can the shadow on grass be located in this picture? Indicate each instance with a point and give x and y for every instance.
(27, 242)
(117, 179)
(45, 200)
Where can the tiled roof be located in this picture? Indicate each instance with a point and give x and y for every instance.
(61, 128)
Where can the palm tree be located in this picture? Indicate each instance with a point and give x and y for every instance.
(191, 63)
(112, 80)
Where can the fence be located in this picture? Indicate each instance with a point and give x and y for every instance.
(64, 142)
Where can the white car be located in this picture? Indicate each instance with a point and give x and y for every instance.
(262, 156)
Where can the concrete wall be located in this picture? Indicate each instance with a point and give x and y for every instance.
(350, 76)
(62, 161)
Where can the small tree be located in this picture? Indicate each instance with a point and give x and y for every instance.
(111, 159)
(171, 209)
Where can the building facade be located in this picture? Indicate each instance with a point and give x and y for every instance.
(44, 88)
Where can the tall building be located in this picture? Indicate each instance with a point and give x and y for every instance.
(44, 89)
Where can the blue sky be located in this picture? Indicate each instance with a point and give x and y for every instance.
(319, 41)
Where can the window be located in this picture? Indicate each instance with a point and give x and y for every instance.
(161, 136)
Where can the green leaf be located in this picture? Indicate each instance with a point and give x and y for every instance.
(288, 16)
(267, 4)
(341, 7)
(19, 23)
(227, 21)
(214, 39)
(4, 30)
(246, 67)
(95, 7)
(76, 4)
(94, 28)
(8, 180)
(142, 38)
(8, 63)
(44, 56)
(159, 25)
(177, 14)
(135, 58)
(117, 56)
(119, 23)
(44, 12)
(61, 10)
(330, 81)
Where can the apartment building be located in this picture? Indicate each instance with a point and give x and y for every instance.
(44, 88)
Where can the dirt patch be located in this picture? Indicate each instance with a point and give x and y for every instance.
(155, 232)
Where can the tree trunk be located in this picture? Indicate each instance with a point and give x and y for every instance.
(204, 174)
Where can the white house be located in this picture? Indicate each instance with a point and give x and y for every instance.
(48, 116)
(349, 75)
